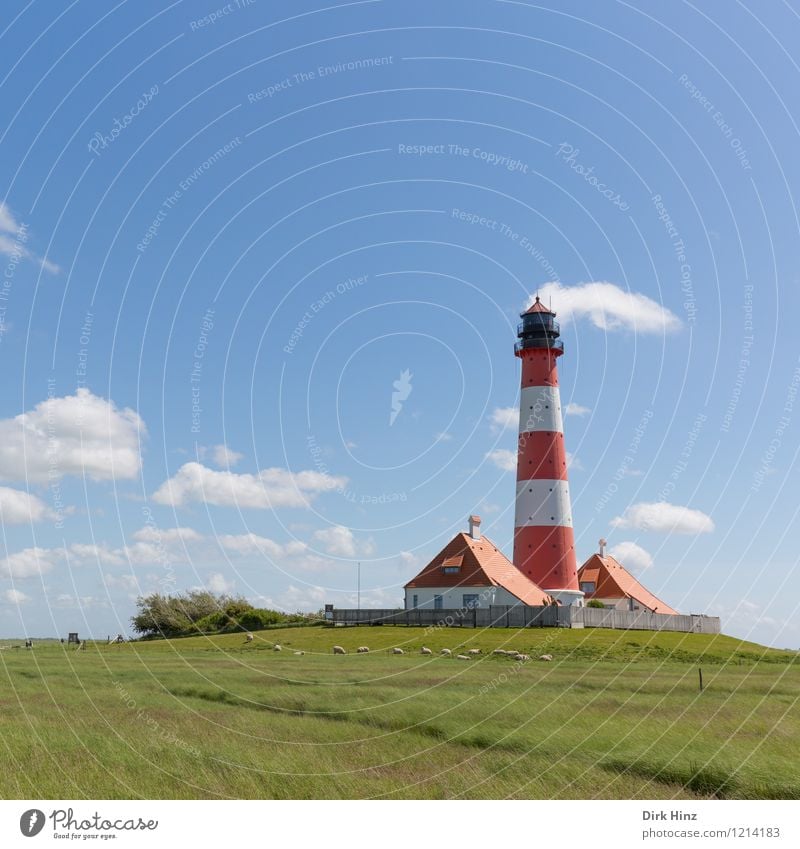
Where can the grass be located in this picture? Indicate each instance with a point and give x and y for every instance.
(615, 715)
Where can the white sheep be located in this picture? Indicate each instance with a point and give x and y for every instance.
(277, 647)
(397, 651)
(474, 651)
(339, 650)
(522, 657)
(446, 652)
(300, 653)
(425, 650)
(248, 638)
(363, 650)
(545, 657)
(462, 657)
(500, 652)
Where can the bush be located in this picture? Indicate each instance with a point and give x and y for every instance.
(595, 603)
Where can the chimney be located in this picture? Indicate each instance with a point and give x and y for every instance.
(475, 527)
(602, 544)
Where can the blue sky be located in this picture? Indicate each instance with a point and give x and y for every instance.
(227, 231)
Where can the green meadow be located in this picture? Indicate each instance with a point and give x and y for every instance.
(614, 715)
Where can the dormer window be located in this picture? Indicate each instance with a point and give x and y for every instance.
(452, 565)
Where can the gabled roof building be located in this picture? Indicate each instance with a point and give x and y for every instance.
(470, 571)
(605, 579)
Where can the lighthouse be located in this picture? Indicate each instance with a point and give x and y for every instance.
(544, 542)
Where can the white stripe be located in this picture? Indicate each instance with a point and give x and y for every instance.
(540, 409)
(543, 502)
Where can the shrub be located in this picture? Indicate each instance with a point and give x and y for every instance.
(595, 603)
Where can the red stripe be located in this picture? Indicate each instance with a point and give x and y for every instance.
(547, 556)
(541, 454)
(539, 367)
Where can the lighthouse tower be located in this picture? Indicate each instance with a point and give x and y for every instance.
(544, 543)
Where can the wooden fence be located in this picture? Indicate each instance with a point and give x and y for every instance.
(522, 616)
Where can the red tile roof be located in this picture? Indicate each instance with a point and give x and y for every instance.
(538, 306)
(613, 580)
(482, 565)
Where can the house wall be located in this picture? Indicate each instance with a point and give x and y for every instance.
(453, 597)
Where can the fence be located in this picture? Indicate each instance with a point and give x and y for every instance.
(522, 616)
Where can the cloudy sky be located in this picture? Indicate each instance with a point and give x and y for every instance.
(261, 272)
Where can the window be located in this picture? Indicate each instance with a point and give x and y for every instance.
(451, 570)
(469, 600)
(415, 602)
(587, 586)
(437, 602)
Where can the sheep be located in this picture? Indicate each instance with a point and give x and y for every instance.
(446, 652)
(545, 657)
(474, 651)
(363, 650)
(248, 638)
(500, 652)
(277, 647)
(397, 651)
(300, 653)
(522, 657)
(339, 650)
(462, 657)
(425, 650)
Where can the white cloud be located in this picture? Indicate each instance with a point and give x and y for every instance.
(610, 307)
(224, 457)
(18, 507)
(245, 544)
(503, 459)
(269, 488)
(573, 462)
(79, 434)
(504, 418)
(443, 437)
(631, 556)
(150, 533)
(218, 583)
(339, 541)
(15, 597)
(663, 517)
(16, 246)
(573, 409)
(82, 553)
(29, 562)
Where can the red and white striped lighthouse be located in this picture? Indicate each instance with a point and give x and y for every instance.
(544, 543)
